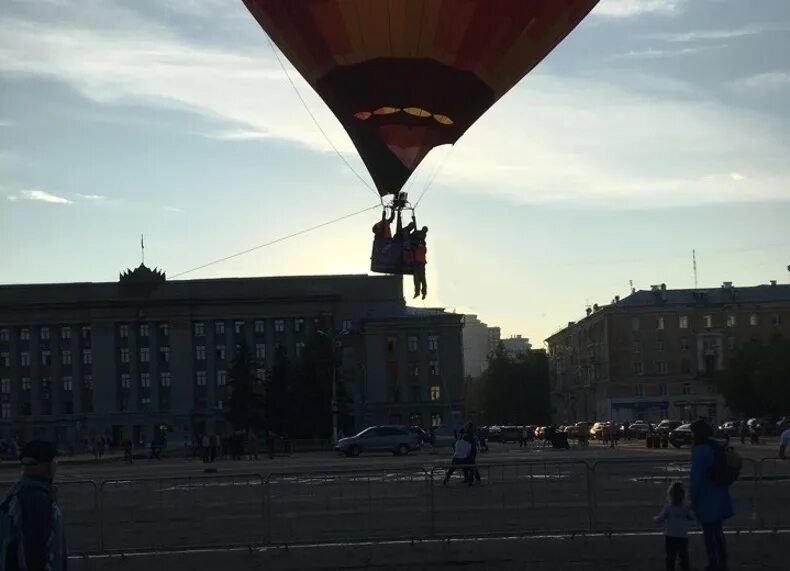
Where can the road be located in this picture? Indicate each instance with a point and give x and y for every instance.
(314, 497)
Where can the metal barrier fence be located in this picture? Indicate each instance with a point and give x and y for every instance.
(361, 505)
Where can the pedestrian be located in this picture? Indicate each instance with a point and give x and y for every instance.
(127, 451)
(744, 430)
(30, 519)
(522, 443)
(471, 474)
(204, 448)
(676, 517)
(462, 450)
(710, 499)
(755, 433)
(784, 442)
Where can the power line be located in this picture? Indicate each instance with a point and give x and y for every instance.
(317, 124)
(282, 239)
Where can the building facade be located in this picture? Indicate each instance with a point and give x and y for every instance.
(125, 359)
(655, 353)
(477, 345)
(516, 345)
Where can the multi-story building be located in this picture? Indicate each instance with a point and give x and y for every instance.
(516, 345)
(654, 354)
(126, 358)
(477, 345)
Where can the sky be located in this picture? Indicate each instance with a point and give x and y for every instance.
(656, 128)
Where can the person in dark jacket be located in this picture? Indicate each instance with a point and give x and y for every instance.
(33, 526)
(711, 501)
(471, 474)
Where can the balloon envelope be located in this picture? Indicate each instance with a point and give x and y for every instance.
(404, 76)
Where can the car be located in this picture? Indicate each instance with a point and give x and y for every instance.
(396, 439)
(540, 432)
(681, 436)
(731, 427)
(511, 434)
(444, 435)
(597, 430)
(640, 429)
(667, 426)
(421, 434)
(572, 431)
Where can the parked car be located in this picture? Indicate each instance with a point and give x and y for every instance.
(444, 436)
(597, 430)
(667, 426)
(421, 434)
(511, 434)
(681, 436)
(396, 439)
(572, 431)
(640, 429)
(540, 432)
(731, 428)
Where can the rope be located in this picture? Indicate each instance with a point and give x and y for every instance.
(282, 239)
(436, 172)
(317, 124)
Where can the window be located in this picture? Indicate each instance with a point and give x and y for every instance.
(639, 368)
(65, 332)
(348, 325)
(753, 320)
(5, 360)
(299, 349)
(260, 351)
(433, 342)
(436, 393)
(145, 401)
(164, 354)
(436, 419)
(200, 378)
(200, 353)
(635, 324)
(731, 320)
(222, 378)
(660, 345)
(662, 368)
(279, 325)
(6, 410)
(221, 352)
(3, 334)
(260, 374)
(392, 345)
(219, 328)
(5, 386)
(685, 366)
(636, 347)
(123, 331)
(413, 342)
(200, 329)
(126, 381)
(143, 330)
(86, 332)
(87, 382)
(707, 321)
(640, 390)
(659, 322)
(776, 320)
(662, 389)
(414, 370)
(164, 379)
(299, 325)
(433, 368)
(65, 357)
(145, 355)
(145, 380)
(238, 327)
(392, 371)
(46, 358)
(684, 344)
(67, 384)
(219, 403)
(26, 383)
(124, 355)
(164, 329)
(44, 333)
(686, 388)
(260, 327)
(24, 334)
(24, 359)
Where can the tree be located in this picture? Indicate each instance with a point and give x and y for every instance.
(513, 390)
(756, 381)
(246, 408)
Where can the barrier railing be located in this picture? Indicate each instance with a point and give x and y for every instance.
(526, 497)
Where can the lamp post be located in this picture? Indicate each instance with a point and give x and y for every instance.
(335, 341)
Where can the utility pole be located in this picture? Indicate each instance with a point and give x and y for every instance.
(335, 341)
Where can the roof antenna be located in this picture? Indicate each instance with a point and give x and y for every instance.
(694, 261)
(142, 249)
(631, 285)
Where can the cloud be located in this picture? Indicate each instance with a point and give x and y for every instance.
(43, 196)
(764, 82)
(91, 196)
(631, 8)
(172, 209)
(12, 198)
(4, 123)
(656, 53)
(737, 176)
(240, 135)
(719, 34)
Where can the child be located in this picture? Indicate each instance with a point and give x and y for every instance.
(676, 517)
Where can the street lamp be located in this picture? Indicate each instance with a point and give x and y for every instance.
(335, 341)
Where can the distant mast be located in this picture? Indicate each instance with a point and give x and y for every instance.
(142, 249)
(694, 264)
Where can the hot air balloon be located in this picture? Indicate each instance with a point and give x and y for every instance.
(405, 76)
